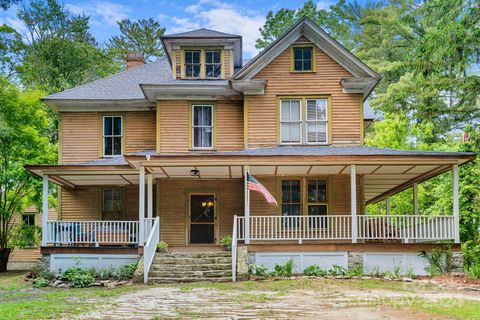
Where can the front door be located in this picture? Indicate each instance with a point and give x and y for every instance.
(202, 218)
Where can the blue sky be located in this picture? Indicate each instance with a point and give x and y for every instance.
(242, 17)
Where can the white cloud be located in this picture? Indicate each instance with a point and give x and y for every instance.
(101, 12)
(325, 4)
(224, 17)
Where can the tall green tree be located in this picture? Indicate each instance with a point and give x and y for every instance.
(61, 52)
(12, 49)
(141, 36)
(24, 139)
(5, 4)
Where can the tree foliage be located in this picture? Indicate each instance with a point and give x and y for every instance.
(11, 50)
(5, 4)
(61, 52)
(24, 139)
(141, 36)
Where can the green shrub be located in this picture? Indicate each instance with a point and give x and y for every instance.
(395, 274)
(126, 271)
(40, 282)
(162, 246)
(105, 274)
(357, 271)
(258, 270)
(439, 261)
(81, 280)
(474, 271)
(77, 277)
(285, 270)
(226, 241)
(337, 270)
(314, 271)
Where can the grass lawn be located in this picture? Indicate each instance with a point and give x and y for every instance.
(18, 300)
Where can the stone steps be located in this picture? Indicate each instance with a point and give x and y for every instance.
(191, 267)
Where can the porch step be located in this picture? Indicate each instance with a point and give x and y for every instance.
(191, 267)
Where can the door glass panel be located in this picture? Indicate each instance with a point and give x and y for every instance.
(202, 218)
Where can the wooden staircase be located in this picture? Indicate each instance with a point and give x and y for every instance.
(172, 267)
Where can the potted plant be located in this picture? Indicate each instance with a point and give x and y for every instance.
(227, 243)
(162, 246)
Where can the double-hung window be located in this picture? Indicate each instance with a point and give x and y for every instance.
(304, 121)
(112, 135)
(202, 126)
(291, 201)
(317, 200)
(112, 206)
(213, 65)
(316, 120)
(291, 121)
(192, 63)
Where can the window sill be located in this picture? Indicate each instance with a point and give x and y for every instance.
(311, 71)
(204, 150)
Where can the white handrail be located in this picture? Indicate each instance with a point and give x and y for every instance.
(339, 227)
(150, 248)
(234, 249)
(92, 232)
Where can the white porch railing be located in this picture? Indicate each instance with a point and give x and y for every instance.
(92, 232)
(150, 247)
(339, 227)
(406, 227)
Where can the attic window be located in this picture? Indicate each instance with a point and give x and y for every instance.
(302, 59)
(192, 63)
(213, 64)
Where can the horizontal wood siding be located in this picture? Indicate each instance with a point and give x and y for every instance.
(262, 110)
(173, 206)
(229, 125)
(174, 125)
(83, 205)
(140, 131)
(228, 63)
(80, 136)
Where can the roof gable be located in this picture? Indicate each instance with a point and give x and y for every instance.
(202, 33)
(306, 27)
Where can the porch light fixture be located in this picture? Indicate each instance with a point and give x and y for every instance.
(194, 172)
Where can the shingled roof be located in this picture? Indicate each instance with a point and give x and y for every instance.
(121, 86)
(202, 33)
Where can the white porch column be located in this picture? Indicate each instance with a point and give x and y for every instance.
(387, 204)
(149, 195)
(246, 171)
(141, 206)
(415, 199)
(44, 210)
(456, 210)
(353, 201)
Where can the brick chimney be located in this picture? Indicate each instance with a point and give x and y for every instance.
(134, 59)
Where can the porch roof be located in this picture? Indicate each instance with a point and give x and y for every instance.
(385, 171)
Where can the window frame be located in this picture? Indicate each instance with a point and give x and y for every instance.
(203, 51)
(304, 192)
(313, 57)
(300, 121)
(303, 117)
(29, 214)
(185, 64)
(122, 201)
(326, 121)
(192, 126)
(103, 136)
(213, 64)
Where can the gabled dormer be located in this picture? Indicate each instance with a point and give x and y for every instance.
(203, 54)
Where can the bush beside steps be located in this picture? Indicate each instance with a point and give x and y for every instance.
(81, 278)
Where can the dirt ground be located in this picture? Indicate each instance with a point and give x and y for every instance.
(289, 299)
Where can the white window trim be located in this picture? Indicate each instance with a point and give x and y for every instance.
(315, 121)
(193, 126)
(112, 136)
(301, 122)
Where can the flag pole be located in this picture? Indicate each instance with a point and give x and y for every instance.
(246, 171)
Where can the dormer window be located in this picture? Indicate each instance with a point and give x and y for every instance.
(213, 65)
(192, 63)
(202, 63)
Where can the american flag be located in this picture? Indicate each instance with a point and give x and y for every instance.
(254, 185)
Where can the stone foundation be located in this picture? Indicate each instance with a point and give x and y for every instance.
(457, 261)
(355, 259)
